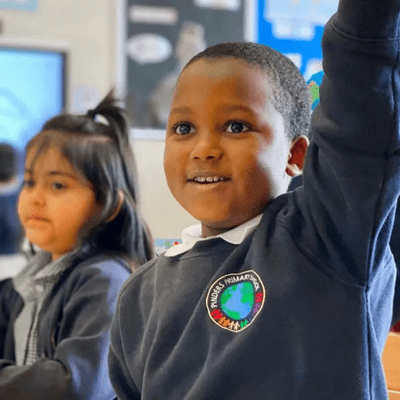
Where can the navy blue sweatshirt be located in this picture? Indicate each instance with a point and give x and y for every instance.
(73, 335)
(301, 309)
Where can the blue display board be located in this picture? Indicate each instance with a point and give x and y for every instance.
(295, 27)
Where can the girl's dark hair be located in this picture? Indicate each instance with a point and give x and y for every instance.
(290, 95)
(97, 145)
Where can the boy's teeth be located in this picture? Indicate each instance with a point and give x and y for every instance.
(210, 179)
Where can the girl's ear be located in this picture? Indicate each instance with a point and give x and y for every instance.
(297, 156)
(121, 199)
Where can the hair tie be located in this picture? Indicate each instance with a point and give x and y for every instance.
(91, 113)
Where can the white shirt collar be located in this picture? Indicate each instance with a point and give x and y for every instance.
(192, 234)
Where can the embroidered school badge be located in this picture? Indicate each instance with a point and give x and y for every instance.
(234, 300)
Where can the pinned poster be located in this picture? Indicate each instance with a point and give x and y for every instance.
(298, 19)
(26, 5)
(162, 245)
(231, 5)
(295, 27)
(148, 48)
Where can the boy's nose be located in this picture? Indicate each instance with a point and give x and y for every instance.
(207, 147)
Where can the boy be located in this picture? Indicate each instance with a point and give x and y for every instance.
(276, 296)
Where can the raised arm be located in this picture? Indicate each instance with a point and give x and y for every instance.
(352, 174)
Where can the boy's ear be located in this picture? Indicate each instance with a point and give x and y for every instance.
(121, 199)
(297, 156)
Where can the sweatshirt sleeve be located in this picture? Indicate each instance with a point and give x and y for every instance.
(127, 326)
(351, 177)
(395, 247)
(78, 369)
(4, 317)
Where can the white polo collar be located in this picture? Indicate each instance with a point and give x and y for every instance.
(192, 234)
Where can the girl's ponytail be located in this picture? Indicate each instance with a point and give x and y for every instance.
(116, 118)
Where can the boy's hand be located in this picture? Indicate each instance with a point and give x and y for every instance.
(359, 18)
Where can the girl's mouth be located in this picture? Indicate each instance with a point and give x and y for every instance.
(36, 218)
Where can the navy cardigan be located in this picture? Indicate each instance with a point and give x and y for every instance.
(73, 336)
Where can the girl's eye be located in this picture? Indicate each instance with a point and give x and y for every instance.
(237, 127)
(58, 186)
(183, 129)
(28, 183)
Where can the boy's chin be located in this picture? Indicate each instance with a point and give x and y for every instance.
(207, 231)
(215, 228)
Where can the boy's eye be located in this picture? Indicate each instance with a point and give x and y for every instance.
(237, 127)
(183, 129)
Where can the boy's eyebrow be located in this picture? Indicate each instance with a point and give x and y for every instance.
(237, 107)
(181, 110)
(227, 107)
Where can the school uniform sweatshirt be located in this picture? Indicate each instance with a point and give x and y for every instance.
(73, 335)
(302, 307)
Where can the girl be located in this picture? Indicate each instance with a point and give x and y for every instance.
(78, 205)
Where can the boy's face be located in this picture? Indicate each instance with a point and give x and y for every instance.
(226, 151)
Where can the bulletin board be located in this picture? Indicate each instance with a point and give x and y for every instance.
(161, 36)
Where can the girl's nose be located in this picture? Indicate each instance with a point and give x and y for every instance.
(37, 196)
(207, 147)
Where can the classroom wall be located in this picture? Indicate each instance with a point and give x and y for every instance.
(85, 27)
(89, 31)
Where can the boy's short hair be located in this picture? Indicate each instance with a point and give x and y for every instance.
(290, 95)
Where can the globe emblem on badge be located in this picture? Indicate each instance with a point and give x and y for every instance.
(237, 300)
(234, 300)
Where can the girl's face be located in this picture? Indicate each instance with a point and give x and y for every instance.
(55, 203)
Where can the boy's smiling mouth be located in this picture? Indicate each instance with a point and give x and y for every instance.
(208, 179)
